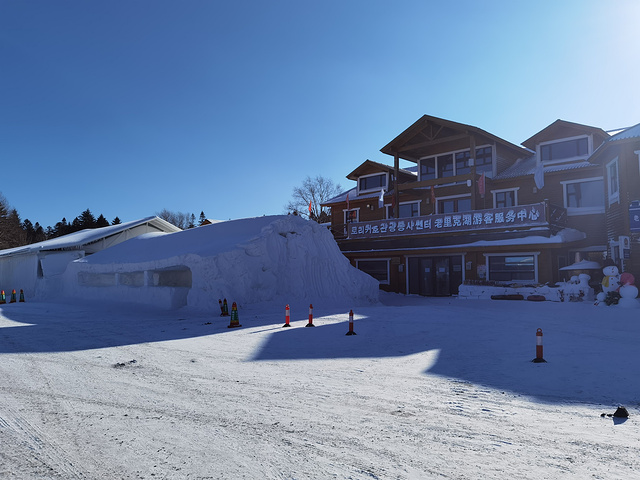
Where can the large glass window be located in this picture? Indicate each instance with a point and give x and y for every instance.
(457, 163)
(587, 194)
(577, 147)
(512, 268)
(428, 169)
(378, 269)
(373, 182)
(445, 166)
(484, 161)
(462, 163)
(453, 205)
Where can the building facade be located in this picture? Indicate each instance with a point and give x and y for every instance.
(473, 207)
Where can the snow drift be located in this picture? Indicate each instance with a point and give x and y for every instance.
(271, 258)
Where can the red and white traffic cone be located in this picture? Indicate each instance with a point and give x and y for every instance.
(539, 358)
(286, 317)
(310, 324)
(13, 296)
(351, 332)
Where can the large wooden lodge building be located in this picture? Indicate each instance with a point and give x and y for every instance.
(474, 207)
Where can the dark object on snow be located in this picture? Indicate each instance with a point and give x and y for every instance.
(536, 298)
(507, 297)
(612, 298)
(620, 412)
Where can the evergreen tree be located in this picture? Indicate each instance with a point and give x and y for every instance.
(202, 219)
(116, 221)
(86, 220)
(29, 231)
(39, 235)
(102, 222)
(192, 221)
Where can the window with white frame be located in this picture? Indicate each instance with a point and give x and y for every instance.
(584, 196)
(613, 182)
(373, 182)
(513, 267)
(456, 163)
(377, 268)
(569, 149)
(351, 216)
(405, 210)
(505, 198)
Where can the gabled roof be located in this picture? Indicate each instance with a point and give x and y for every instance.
(369, 166)
(78, 240)
(428, 131)
(563, 129)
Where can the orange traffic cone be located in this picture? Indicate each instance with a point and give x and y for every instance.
(13, 296)
(3, 298)
(21, 295)
(235, 322)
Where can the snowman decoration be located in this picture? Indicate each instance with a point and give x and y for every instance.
(610, 283)
(611, 279)
(628, 292)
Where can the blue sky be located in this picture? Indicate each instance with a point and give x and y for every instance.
(129, 107)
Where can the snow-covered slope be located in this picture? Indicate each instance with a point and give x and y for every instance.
(271, 258)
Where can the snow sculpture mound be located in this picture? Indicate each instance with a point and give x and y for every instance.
(275, 258)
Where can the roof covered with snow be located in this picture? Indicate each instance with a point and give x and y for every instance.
(88, 236)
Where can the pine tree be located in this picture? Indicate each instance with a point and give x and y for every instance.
(116, 221)
(203, 218)
(102, 222)
(192, 221)
(86, 220)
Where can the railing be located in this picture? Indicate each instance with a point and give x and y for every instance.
(541, 214)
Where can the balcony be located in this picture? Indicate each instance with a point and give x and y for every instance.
(522, 217)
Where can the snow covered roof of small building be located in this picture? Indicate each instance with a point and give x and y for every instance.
(77, 240)
(631, 132)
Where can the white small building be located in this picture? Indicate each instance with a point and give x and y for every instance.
(37, 268)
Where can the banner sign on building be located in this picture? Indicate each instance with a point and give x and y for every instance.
(520, 216)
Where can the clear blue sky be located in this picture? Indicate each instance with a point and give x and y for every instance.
(129, 107)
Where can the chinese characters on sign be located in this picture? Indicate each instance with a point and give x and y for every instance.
(520, 216)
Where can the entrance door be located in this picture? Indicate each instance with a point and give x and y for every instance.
(442, 277)
(435, 276)
(427, 280)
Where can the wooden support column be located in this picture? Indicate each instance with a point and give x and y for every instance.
(396, 193)
(472, 160)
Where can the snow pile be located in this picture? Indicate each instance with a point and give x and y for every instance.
(274, 258)
(575, 290)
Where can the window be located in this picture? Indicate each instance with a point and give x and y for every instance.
(584, 196)
(484, 161)
(568, 149)
(405, 210)
(378, 269)
(457, 163)
(453, 205)
(505, 198)
(373, 182)
(512, 268)
(462, 163)
(351, 216)
(428, 169)
(613, 181)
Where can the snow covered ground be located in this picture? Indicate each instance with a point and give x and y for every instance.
(428, 388)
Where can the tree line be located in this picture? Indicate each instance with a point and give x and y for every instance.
(15, 232)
